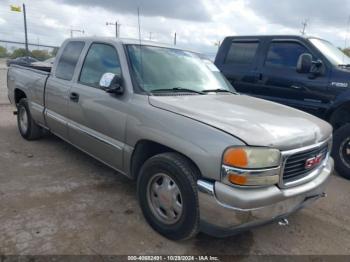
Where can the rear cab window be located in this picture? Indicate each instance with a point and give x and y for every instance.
(241, 53)
(68, 60)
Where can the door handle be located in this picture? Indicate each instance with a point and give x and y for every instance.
(258, 76)
(296, 87)
(74, 97)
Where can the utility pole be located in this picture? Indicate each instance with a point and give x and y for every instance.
(117, 28)
(25, 29)
(175, 38)
(16, 8)
(75, 30)
(305, 23)
(217, 43)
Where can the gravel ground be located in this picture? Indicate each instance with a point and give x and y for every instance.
(55, 199)
(3, 91)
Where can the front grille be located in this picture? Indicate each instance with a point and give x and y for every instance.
(295, 166)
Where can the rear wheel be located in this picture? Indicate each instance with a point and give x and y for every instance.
(167, 194)
(341, 150)
(26, 125)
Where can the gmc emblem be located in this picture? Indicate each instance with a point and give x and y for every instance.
(311, 162)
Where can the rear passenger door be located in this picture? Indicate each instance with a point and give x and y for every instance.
(97, 118)
(58, 86)
(280, 82)
(240, 64)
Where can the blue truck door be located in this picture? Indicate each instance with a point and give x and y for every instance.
(280, 82)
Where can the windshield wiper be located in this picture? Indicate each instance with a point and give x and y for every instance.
(344, 65)
(219, 91)
(177, 89)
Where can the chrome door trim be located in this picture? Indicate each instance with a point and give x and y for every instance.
(102, 138)
(56, 117)
(91, 155)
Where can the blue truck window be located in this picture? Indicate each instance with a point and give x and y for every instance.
(242, 53)
(284, 54)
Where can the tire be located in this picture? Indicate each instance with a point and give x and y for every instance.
(341, 150)
(162, 173)
(28, 129)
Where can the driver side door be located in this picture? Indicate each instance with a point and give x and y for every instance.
(283, 84)
(97, 118)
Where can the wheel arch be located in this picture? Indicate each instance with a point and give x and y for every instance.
(145, 149)
(18, 95)
(340, 115)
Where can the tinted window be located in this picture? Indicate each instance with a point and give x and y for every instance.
(242, 53)
(284, 54)
(68, 60)
(100, 59)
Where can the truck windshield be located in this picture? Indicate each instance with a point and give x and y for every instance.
(159, 69)
(332, 53)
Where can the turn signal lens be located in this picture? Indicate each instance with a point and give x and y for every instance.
(236, 157)
(237, 179)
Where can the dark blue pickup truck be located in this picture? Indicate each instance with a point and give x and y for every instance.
(307, 73)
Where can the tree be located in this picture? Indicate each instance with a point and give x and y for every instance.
(346, 51)
(19, 52)
(54, 51)
(40, 54)
(3, 52)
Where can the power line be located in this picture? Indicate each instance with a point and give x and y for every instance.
(76, 30)
(22, 43)
(117, 28)
(304, 24)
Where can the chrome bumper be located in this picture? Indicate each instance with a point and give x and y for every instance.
(226, 210)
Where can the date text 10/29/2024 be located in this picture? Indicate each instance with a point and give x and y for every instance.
(173, 258)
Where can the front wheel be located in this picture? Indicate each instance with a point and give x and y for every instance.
(341, 151)
(167, 193)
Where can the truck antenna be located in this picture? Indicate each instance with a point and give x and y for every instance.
(138, 21)
(346, 36)
(139, 24)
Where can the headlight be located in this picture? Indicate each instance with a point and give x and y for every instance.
(251, 166)
(252, 157)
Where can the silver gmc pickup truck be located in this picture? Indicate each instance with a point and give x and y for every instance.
(204, 157)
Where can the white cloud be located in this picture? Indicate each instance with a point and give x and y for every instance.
(2, 21)
(50, 21)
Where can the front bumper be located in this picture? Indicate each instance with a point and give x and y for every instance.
(226, 210)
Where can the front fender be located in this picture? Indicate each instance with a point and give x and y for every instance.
(341, 100)
(202, 143)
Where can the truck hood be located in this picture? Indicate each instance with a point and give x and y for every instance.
(254, 121)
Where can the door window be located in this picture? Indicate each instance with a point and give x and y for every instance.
(68, 60)
(101, 58)
(242, 53)
(284, 54)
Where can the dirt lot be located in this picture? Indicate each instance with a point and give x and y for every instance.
(57, 200)
(3, 92)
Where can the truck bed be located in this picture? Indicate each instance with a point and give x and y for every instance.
(32, 81)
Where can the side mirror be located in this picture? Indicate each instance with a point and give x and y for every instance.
(112, 83)
(304, 63)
